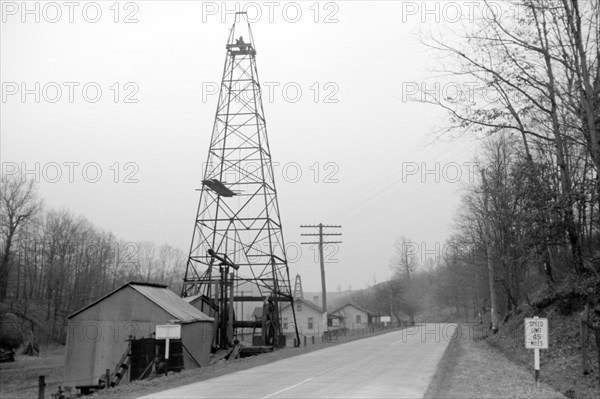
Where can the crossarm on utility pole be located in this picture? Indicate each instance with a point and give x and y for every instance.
(321, 242)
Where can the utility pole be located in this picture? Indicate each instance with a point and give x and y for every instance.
(320, 234)
(488, 250)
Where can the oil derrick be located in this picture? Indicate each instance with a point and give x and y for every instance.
(237, 255)
(298, 292)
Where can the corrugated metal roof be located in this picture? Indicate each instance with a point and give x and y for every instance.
(163, 297)
(172, 304)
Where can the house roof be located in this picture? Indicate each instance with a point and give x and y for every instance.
(354, 306)
(195, 298)
(190, 299)
(305, 302)
(163, 297)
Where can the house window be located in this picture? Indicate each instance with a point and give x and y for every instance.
(358, 319)
(310, 323)
(299, 306)
(285, 323)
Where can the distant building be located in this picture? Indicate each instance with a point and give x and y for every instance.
(309, 318)
(203, 304)
(354, 317)
(99, 335)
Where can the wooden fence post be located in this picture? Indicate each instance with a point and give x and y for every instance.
(597, 334)
(41, 386)
(583, 334)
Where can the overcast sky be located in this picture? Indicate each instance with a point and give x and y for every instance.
(348, 149)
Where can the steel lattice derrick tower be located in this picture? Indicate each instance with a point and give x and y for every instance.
(298, 292)
(238, 223)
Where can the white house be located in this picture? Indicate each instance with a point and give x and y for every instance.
(354, 317)
(309, 318)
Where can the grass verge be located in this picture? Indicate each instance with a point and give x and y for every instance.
(470, 368)
(561, 363)
(19, 379)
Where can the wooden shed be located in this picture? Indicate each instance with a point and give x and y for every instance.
(99, 335)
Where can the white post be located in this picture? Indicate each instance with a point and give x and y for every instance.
(536, 354)
(536, 364)
(167, 349)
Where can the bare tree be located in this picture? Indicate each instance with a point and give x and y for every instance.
(19, 203)
(542, 68)
(406, 257)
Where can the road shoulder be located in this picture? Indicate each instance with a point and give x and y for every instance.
(470, 368)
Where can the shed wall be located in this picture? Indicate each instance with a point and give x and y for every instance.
(197, 338)
(97, 337)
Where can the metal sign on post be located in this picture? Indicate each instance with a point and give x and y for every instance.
(536, 338)
(168, 332)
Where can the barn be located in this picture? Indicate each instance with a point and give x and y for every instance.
(100, 336)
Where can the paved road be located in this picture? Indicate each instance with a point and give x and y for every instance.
(393, 365)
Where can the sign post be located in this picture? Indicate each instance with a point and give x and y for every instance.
(168, 332)
(536, 338)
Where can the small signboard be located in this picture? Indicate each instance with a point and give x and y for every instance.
(168, 331)
(536, 333)
(536, 338)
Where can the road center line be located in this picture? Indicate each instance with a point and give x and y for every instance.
(288, 388)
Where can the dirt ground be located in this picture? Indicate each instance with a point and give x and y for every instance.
(19, 379)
